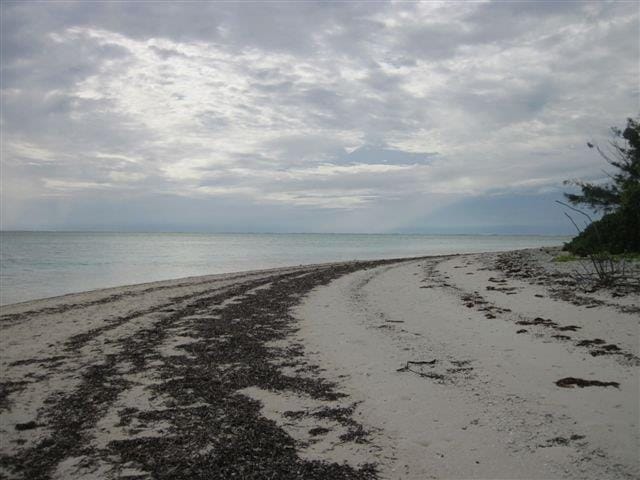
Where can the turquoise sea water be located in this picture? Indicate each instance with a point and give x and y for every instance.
(45, 264)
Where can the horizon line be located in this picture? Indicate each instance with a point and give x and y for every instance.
(285, 233)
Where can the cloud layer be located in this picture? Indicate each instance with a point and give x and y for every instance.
(303, 116)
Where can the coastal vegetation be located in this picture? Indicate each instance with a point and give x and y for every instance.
(618, 230)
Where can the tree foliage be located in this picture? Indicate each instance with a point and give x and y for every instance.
(618, 231)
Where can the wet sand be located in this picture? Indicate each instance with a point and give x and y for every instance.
(471, 366)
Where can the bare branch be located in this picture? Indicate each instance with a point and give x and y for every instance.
(575, 210)
(574, 223)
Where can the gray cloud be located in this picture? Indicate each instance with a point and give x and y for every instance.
(359, 110)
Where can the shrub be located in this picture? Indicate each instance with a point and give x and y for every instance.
(618, 231)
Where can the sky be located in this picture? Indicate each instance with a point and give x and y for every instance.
(373, 117)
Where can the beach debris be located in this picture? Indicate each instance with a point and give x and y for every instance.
(459, 368)
(6, 389)
(342, 415)
(213, 431)
(610, 349)
(432, 375)
(523, 265)
(355, 434)
(295, 414)
(522, 330)
(570, 382)
(538, 321)
(506, 290)
(26, 426)
(519, 265)
(588, 343)
(561, 441)
(473, 299)
(460, 363)
(568, 328)
(411, 362)
(497, 280)
(42, 361)
(602, 348)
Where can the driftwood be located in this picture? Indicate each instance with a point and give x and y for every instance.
(407, 368)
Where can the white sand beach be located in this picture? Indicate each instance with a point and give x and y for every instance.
(468, 366)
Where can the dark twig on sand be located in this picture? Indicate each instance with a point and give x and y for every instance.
(432, 375)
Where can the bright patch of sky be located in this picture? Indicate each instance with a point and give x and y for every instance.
(307, 116)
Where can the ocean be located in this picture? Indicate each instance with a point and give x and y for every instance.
(44, 264)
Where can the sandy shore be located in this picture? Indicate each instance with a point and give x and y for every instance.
(471, 366)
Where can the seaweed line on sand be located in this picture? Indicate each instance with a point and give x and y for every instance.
(214, 432)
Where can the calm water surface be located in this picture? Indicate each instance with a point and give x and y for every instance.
(45, 264)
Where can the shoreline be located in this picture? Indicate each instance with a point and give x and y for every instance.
(323, 371)
(84, 263)
(190, 279)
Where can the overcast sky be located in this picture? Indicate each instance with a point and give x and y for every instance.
(308, 116)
